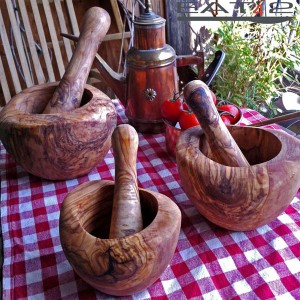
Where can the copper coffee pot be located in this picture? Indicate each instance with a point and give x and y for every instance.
(151, 72)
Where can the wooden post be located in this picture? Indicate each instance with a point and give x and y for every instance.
(178, 32)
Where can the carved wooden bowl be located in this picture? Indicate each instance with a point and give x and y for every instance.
(62, 145)
(241, 198)
(121, 266)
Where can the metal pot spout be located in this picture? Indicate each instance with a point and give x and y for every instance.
(115, 80)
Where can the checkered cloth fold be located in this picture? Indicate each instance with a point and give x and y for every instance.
(209, 262)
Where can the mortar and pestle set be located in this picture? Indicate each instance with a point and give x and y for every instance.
(119, 238)
(238, 177)
(62, 130)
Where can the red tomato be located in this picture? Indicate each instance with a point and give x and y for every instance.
(187, 119)
(214, 97)
(226, 119)
(232, 110)
(171, 109)
(185, 106)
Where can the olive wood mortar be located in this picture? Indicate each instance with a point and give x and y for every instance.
(62, 145)
(119, 238)
(44, 127)
(237, 177)
(240, 198)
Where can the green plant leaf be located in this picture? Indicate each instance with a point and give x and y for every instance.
(258, 60)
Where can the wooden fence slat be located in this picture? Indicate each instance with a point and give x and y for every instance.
(31, 43)
(72, 17)
(9, 57)
(4, 84)
(19, 43)
(63, 28)
(44, 45)
(51, 26)
(118, 19)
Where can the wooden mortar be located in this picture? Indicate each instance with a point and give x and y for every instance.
(241, 198)
(134, 259)
(57, 146)
(68, 141)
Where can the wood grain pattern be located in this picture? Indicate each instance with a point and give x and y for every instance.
(223, 147)
(240, 198)
(120, 266)
(126, 214)
(68, 94)
(62, 145)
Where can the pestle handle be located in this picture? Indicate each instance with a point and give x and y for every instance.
(68, 94)
(223, 147)
(126, 215)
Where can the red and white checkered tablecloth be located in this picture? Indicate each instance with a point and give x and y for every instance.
(209, 262)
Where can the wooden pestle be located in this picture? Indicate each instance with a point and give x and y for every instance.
(126, 215)
(223, 147)
(68, 94)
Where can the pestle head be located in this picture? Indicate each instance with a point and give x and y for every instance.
(126, 140)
